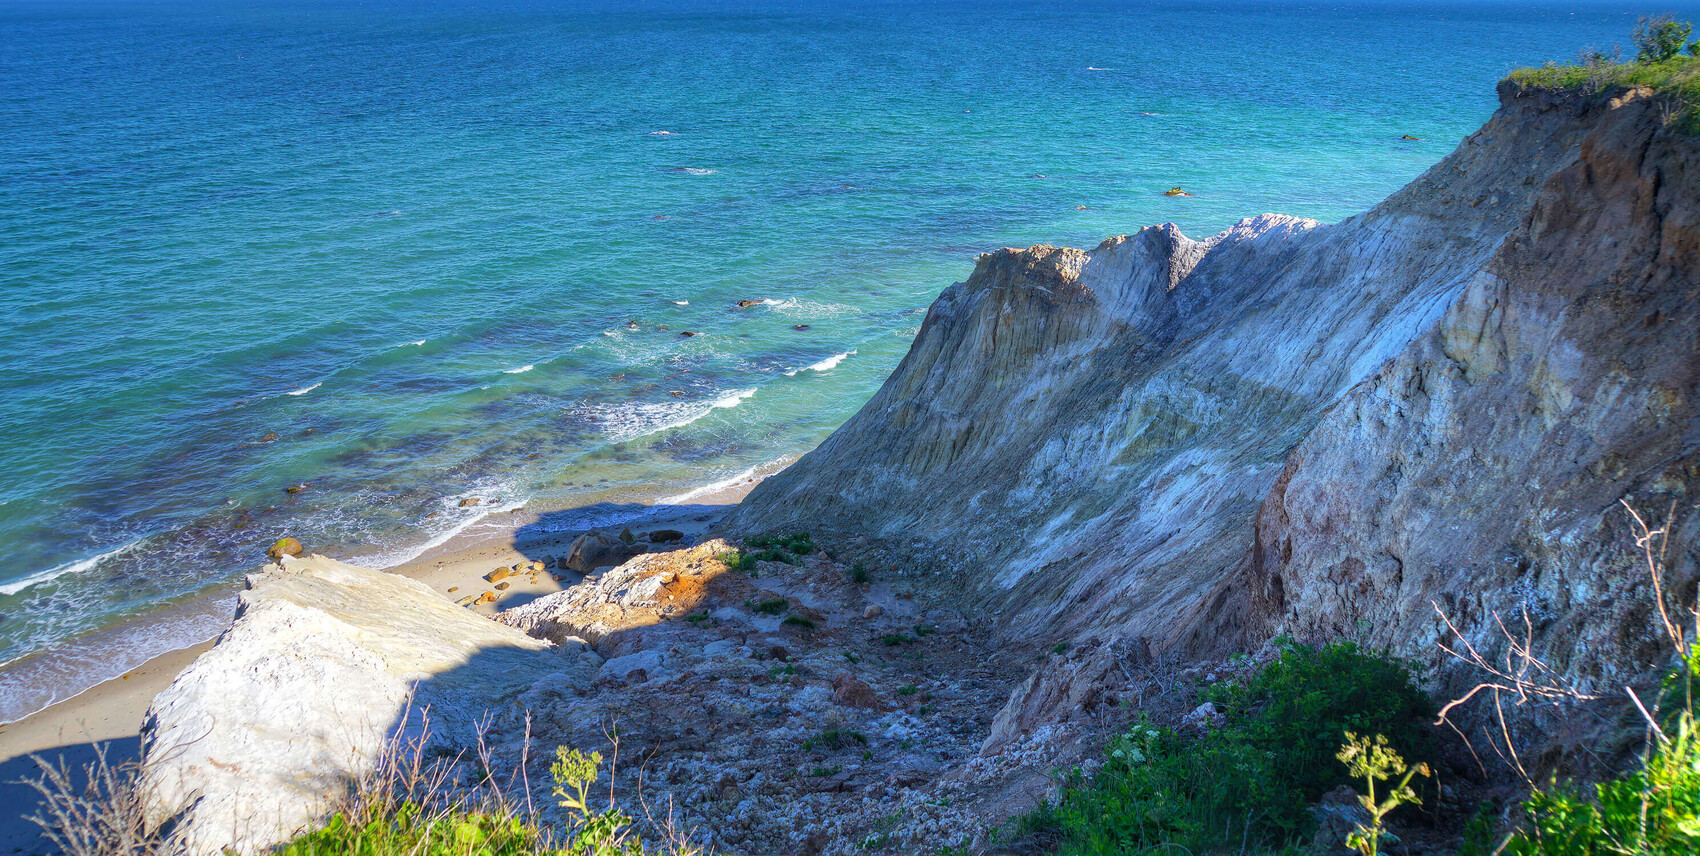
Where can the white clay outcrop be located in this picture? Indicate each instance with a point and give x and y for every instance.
(256, 738)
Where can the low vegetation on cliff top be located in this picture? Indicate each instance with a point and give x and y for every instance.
(1665, 61)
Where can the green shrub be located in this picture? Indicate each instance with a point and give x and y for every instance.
(1299, 706)
(859, 574)
(1249, 782)
(1659, 38)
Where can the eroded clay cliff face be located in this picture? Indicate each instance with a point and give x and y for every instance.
(1192, 441)
(1480, 470)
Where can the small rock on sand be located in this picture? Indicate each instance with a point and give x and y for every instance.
(873, 611)
(503, 586)
(499, 574)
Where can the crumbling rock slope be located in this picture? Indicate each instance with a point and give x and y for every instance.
(1307, 428)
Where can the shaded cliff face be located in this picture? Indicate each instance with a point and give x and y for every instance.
(1191, 441)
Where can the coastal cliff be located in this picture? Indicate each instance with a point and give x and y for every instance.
(1308, 429)
(1095, 474)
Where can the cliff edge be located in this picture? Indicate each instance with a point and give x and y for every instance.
(1320, 430)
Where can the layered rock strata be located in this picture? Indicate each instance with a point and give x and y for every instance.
(1292, 427)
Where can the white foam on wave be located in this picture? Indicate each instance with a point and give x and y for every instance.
(692, 170)
(639, 420)
(306, 389)
(681, 302)
(520, 370)
(812, 309)
(712, 487)
(411, 344)
(71, 667)
(77, 567)
(825, 365)
(470, 516)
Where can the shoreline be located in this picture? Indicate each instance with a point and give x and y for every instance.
(112, 710)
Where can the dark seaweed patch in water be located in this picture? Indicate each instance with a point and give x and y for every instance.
(416, 383)
(684, 449)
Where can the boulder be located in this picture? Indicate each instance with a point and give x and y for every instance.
(593, 550)
(469, 502)
(662, 536)
(499, 574)
(284, 546)
(851, 691)
(254, 742)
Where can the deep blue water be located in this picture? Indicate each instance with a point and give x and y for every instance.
(408, 253)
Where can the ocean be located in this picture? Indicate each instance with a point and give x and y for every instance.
(329, 269)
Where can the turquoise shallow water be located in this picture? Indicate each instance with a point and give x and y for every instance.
(405, 254)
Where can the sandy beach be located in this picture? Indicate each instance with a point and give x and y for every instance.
(111, 713)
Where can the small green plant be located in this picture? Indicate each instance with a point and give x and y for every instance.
(595, 833)
(835, 739)
(908, 689)
(797, 542)
(1371, 759)
(737, 560)
(1059, 648)
(922, 631)
(820, 772)
(852, 658)
(801, 621)
(859, 574)
(769, 605)
(895, 639)
(698, 619)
